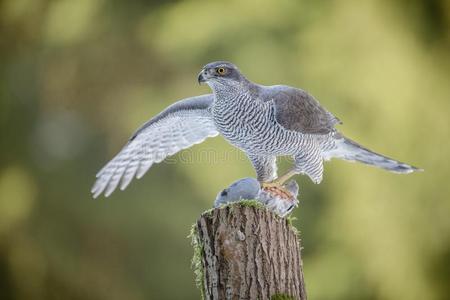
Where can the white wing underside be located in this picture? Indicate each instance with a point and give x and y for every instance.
(176, 131)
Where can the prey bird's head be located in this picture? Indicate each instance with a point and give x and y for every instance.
(221, 74)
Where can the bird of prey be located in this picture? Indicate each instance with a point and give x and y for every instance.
(263, 121)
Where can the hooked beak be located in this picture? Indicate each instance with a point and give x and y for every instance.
(201, 77)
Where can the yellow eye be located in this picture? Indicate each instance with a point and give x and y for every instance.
(221, 71)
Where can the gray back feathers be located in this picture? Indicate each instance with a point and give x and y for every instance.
(297, 110)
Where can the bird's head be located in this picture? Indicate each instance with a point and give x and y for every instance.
(221, 74)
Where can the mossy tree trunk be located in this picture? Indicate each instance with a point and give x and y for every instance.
(249, 253)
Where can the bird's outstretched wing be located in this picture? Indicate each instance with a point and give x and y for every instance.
(296, 110)
(178, 127)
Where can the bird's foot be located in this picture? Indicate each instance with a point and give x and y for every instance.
(277, 190)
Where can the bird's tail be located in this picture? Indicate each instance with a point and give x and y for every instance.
(349, 150)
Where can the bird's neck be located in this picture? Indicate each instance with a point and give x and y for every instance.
(227, 93)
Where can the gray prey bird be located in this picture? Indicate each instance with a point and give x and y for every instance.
(263, 121)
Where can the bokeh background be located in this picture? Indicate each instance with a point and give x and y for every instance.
(78, 77)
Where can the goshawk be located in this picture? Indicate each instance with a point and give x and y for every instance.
(263, 121)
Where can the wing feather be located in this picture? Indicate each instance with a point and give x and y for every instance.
(297, 110)
(178, 127)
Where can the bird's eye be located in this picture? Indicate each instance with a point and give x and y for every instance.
(221, 71)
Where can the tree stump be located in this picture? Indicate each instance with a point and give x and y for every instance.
(247, 252)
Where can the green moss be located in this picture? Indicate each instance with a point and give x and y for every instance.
(290, 220)
(242, 203)
(209, 212)
(251, 203)
(281, 297)
(196, 263)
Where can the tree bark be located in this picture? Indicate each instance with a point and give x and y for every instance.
(249, 253)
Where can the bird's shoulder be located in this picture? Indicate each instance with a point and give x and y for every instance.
(297, 110)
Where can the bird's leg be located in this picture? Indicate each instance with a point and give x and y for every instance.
(276, 187)
(283, 178)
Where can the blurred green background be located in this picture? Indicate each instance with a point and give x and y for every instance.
(78, 77)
